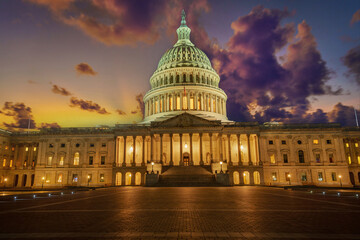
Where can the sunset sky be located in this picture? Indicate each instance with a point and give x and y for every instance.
(87, 63)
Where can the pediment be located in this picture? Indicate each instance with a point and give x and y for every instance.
(186, 120)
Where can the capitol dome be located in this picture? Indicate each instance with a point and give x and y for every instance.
(185, 81)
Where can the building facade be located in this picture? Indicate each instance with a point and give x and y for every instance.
(185, 124)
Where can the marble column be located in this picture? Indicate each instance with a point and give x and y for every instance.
(249, 149)
(220, 147)
(181, 150)
(171, 150)
(239, 149)
(161, 148)
(191, 150)
(151, 148)
(134, 151)
(124, 153)
(143, 151)
(117, 157)
(201, 150)
(229, 146)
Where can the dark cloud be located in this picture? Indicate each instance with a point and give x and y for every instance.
(85, 69)
(352, 61)
(140, 108)
(31, 82)
(123, 22)
(49, 125)
(59, 90)
(344, 115)
(21, 114)
(120, 112)
(356, 17)
(87, 105)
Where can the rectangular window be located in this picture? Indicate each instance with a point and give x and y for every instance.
(34, 149)
(4, 162)
(61, 162)
(303, 177)
(272, 158)
(349, 159)
(49, 160)
(358, 158)
(356, 145)
(320, 176)
(26, 149)
(199, 103)
(274, 176)
(333, 176)
(103, 145)
(177, 102)
(317, 157)
(271, 142)
(92, 145)
(102, 177)
(184, 102)
(209, 104)
(285, 157)
(59, 180)
(287, 176)
(11, 163)
(328, 141)
(89, 177)
(75, 178)
(102, 160)
(47, 177)
(62, 145)
(50, 145)
(315, 141)
(331, 158)
(91, 160)
(347, 145)
(171, 103)
(214, 105)
(192, 102)
(283, 142)
(161, 105)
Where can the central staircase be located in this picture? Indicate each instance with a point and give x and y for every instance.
(187, 176)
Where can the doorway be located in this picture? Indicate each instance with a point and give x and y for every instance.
(352, 178)
(186, 159)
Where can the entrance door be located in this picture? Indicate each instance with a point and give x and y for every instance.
(24, 180)
(186, 159)
(352, 179)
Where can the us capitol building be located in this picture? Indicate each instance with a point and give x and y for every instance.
(185, 138)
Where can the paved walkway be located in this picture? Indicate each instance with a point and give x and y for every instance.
(199, 213)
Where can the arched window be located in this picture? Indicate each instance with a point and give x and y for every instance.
(138, 178)
(170, 102)
(191, 78)
(171, 79)
(177, 79)
(301, 156)
(256, 177)
(128, 178)
(118, 179)
(76, 158)
(199, 102)
(184, 77)
(246, 176)
(236, 178)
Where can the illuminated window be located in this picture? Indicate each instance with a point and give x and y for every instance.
(209, 104)
(76, 158)
(59, 180)
(47, 177)
(6, 147)
(34, 149)
(4, 162)
(331, 157)
(333, 176)
(349, 159)
(272, 158)
(347, 144)
(199, 103)
(356, 145)
(61, 162)
(49, 160)
(192, 102)
(285, 158)
(102, 177)
(161, 106)
(274, 176)
(13, 149)
(184, 102)
(320, 176)
(11, 163)
(26, 149)
(301, 156)
(287, 176)
(103, 160)
(75, 178)
(317, 157)
(315, 141)
(214, 105)
(156, 106)
(358, 158)
(170, 102)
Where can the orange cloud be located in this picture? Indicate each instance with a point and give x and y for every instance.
(85, 69)
(356, 17)
(87, 105)
(120, 112)
(59, 90)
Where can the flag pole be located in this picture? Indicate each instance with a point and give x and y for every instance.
(356, 119)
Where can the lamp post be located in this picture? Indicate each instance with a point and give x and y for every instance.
(5, 180)
(221, 163)
(42, 182)
(152, 167)
(340, 181)
(289, 176)
(88, 180)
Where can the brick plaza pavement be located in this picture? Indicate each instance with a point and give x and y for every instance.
(184, 212)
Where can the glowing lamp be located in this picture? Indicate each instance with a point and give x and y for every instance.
(185, 145)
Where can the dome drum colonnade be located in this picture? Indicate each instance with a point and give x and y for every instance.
(185, 81)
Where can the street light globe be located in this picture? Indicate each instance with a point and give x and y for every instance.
(289, 175)
(339, 176)
(185, 145)
(88, 176)
(5, 179)
(131, 148)
(152, 163)
(244, 174)
(241, 147)
(43, 178)
(221, 162)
